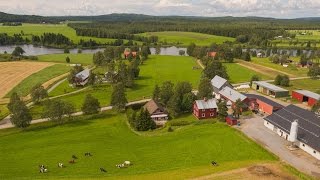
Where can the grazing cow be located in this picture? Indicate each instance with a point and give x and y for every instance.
(120, 165)
(87, 154)
(74, 157)
(72, 161)
(127, 163)
(60, 165)
(43, 169)
(103, 170)
(214, 163)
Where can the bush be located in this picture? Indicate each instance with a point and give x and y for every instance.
(170, 129)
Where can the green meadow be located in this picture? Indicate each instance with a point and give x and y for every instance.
(84, 59)
(185, 38)
(110, 141)
(38, 29)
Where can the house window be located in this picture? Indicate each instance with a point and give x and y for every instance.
(211, 114)
(314, 152)
(203, 115)
(303, 145)
(267, 122)
(203, 110)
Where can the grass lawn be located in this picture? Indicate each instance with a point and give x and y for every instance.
(84, 59)
(3, 111)
(39, 29)
(185, 38)
(306, 84)
(187, 151)
(240, 74)
(63, 88)
(297, 72)
(41, 77)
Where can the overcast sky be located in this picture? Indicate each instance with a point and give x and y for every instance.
(265, 8)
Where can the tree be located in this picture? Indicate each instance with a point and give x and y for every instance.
(187, 102)
(237, 108)
(99, 58)
(67, 59)
(314, 71)
(246, 56)
(182, 52)
(156, 93)
(222, 110)
(158, 50)
(316, 108)
(20, 114)
(166, 92)
(190, 49)
(205, 89)
(118, 97)
(303, 60)
(144, 121)
(38, 92)
(145, 51)
(254, 78)
(278, 80)
(285, 81)
(215, 68)
(55, 110)
(90, 105)
(18, 51)
(237, 52)
(66, 51)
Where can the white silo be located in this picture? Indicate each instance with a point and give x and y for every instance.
(293, 131)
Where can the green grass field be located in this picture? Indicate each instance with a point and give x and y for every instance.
(24, 87)
(84, 59)
(111, 142)
(39, 29)
(3, 111)
(306, 84)
(298, 72)
(240, 74)
(185, 38)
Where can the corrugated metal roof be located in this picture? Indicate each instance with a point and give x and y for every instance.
(269, 86)
(83, 74)
(309, 94)
(218, 82)
(208, 104)
(309, 124)
(265, 100)
(232, 94)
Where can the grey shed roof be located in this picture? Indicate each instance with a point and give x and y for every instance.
(209, 104)
(232, 94)
(269, 86)
(218, 82)
(309, 94)
(83, 74)
(309, 124)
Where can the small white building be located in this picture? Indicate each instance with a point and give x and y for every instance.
(297, 125)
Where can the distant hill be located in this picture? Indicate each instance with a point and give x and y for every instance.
(4, 17)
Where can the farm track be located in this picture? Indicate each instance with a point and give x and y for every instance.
(263, 70)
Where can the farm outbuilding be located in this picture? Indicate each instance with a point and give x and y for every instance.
(308, 131)
(81, 79)
(231, 96)
(232, 121)
(157, 113)
(269, 89)
(306, 96)
(263, 104)
(218, 83)
(205, 109)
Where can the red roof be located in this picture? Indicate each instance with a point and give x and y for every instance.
(212, 54)
(127, 53)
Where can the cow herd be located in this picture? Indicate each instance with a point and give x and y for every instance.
(44, 169)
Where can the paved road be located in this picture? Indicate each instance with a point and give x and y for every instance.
(7, 124)
(255, 129)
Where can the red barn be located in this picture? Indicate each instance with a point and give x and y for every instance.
(212, 54)
(263, 104)
(231, 120)
(205, 109)
(306, 96)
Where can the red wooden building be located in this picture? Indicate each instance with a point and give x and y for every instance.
(212, 54)
(306, 96)
(263, 104)
(127, 54)
(205, 109)
(231, 120)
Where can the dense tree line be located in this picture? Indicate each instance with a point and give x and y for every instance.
(5, 39)
(51, 39)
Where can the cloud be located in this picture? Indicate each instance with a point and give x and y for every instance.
(267, 8)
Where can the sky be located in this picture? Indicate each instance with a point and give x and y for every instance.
(211, 8)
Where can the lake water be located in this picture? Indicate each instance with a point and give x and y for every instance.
(38, 50)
